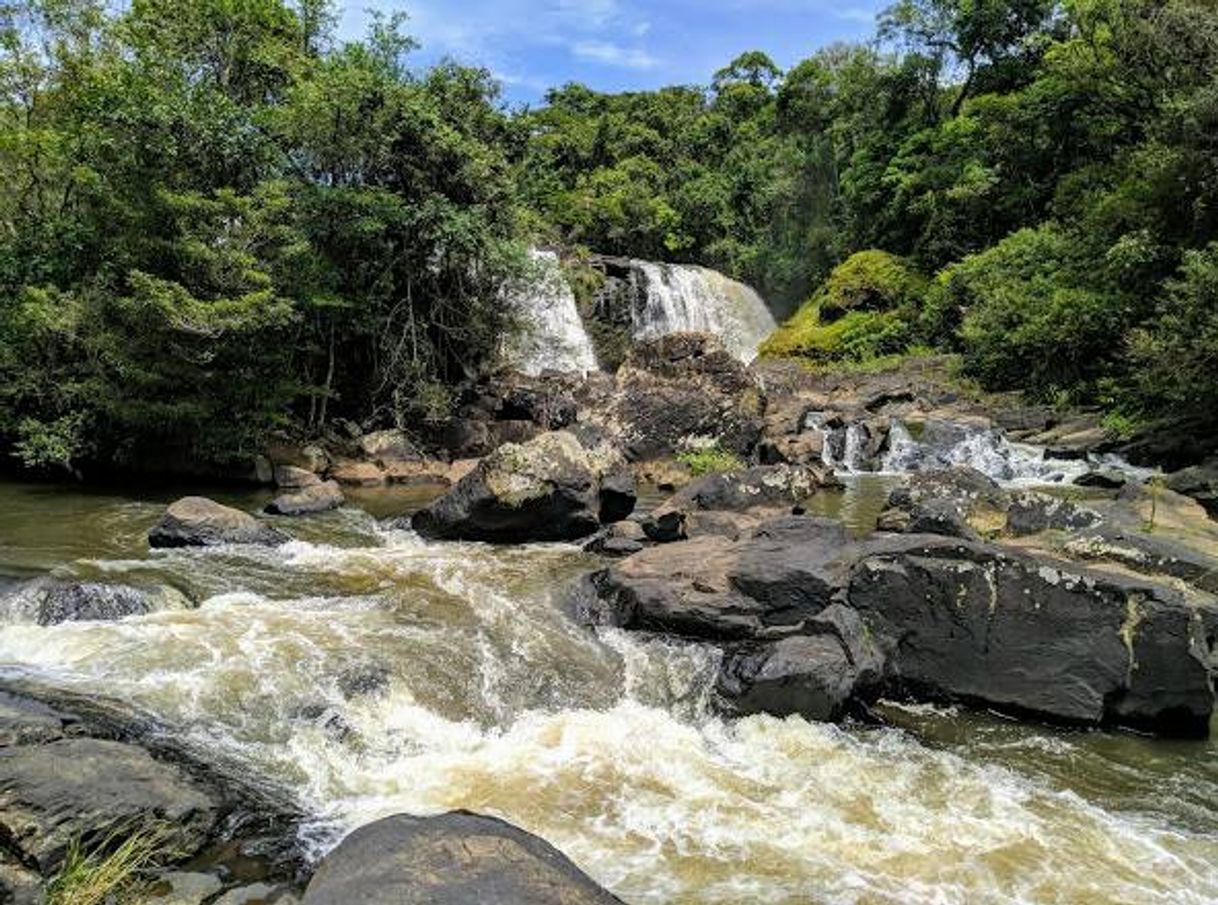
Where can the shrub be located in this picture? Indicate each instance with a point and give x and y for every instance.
(865, 309)
(710, 460)
(1038, 314)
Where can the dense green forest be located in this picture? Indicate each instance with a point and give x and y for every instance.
(217, 220)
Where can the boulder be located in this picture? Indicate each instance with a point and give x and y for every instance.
(86, 789)
(1030, 512)
(422, 473)
(180, 888)
(321, 497)
(618, 540)
(550, 489)
(1103, 478)
(681, 386)
(454, 859)
(388, 446)
(972, 622)
(1199, 482)
(52, 602)
(290, 477)
(825, 675)
(358, 474)
(768, 487)
(955, 502)
(200, 522)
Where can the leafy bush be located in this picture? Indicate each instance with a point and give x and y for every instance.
(1038, 314)
(710, 460)
(1176, 355)
(865, 309)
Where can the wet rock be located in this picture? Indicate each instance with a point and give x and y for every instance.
(180, 888)
(200, 522)
(364, 680)
(971, 622)
(954, 502)
(358, 474)
(87, 789)
(1103, 478)
(454, 859)
(257, 894)
(18, 884)
(681, 386)
(618, 540)
(289, 477)
(1199, 482)
(321, 497)
(1030, 512)
(52, 602)
(387, 446)
(823, 676)
(770, 487)
(27, 722)
(551, 489)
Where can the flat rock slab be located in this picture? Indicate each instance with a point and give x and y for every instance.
(26, 722)
(454, 859)
(85, 789)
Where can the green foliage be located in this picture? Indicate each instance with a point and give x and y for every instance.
(710, 460)
(866, 309)
(112, 871)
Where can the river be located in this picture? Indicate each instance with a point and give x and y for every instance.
(370, 673)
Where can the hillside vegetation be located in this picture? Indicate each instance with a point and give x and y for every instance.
(217, 221)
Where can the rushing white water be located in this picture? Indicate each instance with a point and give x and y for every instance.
(988, 450)
(686, 299)
(553, 337)
(493, 700)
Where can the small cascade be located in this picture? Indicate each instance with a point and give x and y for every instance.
(686, 299)
(554, 337)
(845, 446)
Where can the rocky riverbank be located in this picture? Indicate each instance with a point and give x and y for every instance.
(1018, 566)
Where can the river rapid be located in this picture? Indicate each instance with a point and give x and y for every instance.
(370, 673)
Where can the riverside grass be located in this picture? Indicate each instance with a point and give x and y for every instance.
(115, 870)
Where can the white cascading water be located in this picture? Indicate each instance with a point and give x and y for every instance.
(554, 337)
(489, 698)
(987, 450)
(686, 299)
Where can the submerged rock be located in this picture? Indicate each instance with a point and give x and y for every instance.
(549, 489)
(200, 522)
(85, 789)
(454, 859)
(309, 500)
(49, 601)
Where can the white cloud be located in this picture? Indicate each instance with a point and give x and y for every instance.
(610, 54)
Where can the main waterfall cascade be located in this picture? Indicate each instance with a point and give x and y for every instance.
(661, 299)
(553, 337)
(685, 299)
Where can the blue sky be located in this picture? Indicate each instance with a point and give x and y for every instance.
(618, 44)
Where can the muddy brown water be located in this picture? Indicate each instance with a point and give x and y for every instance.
(370, 673)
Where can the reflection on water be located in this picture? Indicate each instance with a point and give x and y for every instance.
(372, 673)
(858, 503)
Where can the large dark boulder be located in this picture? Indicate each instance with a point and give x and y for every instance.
(550, 489)
(454, 859)
(310, 500)
(973, 622)
(955, 502)
(1199, 482)
(85, 790)
(200, 522)
(680, 386)
(773, 488)
(51, 602)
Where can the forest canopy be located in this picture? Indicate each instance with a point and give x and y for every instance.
(217, 220)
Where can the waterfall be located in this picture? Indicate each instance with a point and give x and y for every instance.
(553, 337)
(686, 299)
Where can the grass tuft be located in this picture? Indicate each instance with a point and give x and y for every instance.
(115, 870)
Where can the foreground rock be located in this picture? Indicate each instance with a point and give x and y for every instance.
(309, 500)
(814, 623)
(83, 789)
(48, 601)
(200, 522)
(454, 859)
(552, 488)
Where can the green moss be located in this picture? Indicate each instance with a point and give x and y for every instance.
(711, 460)
(869, 281)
